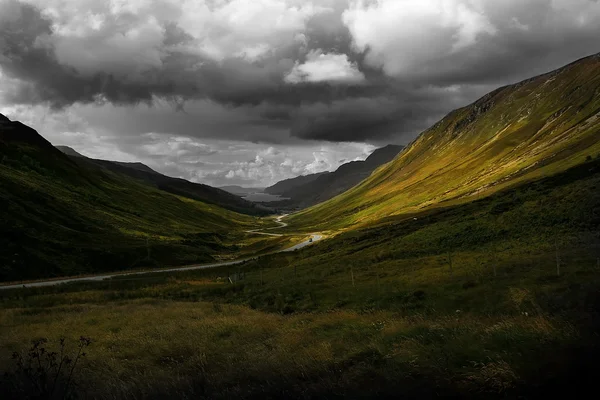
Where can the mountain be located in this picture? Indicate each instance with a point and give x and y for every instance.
(135, 165)
(196, 191)
(325, 186)
(66, 215)
(289, 184)
(241, 191)
(517, 133)
(16, 132)
(70, 151)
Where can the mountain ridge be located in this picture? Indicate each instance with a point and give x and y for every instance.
(240, 190)
(66, 215)
(536, 127)
(288, 184)
(327, 185)
(178, 186)
(17, 131)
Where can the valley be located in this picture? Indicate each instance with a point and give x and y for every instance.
(91, 278)
(466, 264)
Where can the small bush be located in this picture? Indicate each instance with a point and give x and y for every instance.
(469, 284)
(41, 373)
(419, 295)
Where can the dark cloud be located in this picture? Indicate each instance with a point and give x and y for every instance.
(356, 120)
(408, 65)
(28, 55)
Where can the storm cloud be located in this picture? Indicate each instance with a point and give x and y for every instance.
(282, 72)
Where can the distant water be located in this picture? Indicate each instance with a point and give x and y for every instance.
(263, 197)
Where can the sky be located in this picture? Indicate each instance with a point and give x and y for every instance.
(249, 92)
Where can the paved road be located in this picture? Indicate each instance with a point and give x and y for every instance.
(313, 238)
(278, 220)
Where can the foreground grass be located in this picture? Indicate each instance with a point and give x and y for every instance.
(151, 348)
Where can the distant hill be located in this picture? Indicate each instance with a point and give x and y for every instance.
(289, 184)
(65, 215)
(135, 165)
(70, 151)
(240, 190)
(322, 187)
(176, 186)
(521, 132)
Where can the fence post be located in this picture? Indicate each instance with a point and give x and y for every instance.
(557, 258)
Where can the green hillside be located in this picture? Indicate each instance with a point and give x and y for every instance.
(177, 186)
(535, 128)
(62, 217)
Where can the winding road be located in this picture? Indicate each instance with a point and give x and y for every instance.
(314, 238)
(278, 220)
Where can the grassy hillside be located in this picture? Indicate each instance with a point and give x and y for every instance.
(465, 301)
(517, 133)
(180, 187)
(62, 217)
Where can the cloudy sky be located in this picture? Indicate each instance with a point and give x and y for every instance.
(253, 91)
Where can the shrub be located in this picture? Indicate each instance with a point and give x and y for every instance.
(469, 284)
(41, 373)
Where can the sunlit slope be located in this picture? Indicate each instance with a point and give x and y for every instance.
(534, 128)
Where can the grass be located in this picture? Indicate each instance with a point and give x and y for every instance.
(516, 134)
(373, 312)
(202, 349)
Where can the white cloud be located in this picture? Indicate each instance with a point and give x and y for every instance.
(436, 38)
(122, 32)
(325, 67)
(400, 35)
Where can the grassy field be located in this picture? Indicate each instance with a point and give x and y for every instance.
(465, 300)
(515, 134)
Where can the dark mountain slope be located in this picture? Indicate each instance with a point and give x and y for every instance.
(290, 184)
(181, 187)
(70, 151)
(65, 216)
(329, 185)
(240, 191)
